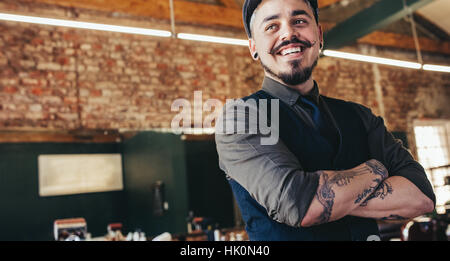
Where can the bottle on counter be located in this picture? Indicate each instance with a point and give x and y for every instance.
(216, 235)
(136, 236)
(189, 220)
(232, 237)
(129, 236)
(210, 233)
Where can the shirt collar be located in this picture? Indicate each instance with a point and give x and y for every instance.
(287, 94)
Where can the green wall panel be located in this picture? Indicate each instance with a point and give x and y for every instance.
(150, 157)
(25, 215)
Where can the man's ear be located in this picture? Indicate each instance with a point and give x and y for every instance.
(252, 48)
(321, 37)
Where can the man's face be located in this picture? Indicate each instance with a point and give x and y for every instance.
(287, 39)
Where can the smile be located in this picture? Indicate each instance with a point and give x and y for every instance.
(292, 50)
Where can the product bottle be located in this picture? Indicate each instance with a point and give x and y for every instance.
(217, 235)
(136, 236)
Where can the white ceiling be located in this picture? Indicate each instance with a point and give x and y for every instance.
(437, 12)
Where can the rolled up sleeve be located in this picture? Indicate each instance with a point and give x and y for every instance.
(391, 152)
(270, 173)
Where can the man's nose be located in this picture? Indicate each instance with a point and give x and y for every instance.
(287, 32)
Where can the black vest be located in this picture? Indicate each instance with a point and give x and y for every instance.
(314, 153)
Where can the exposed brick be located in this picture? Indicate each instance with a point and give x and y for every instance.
(60, 75)
(35, 107)
(111, 62)
(69, 36)
(69, 51)
(97, 47)
(70, 100)
(27, 63)
(37, 41)
(37, 91)
(63, 60)
(96, 93)
(161, 66)
(129, 82)
(85, 47)
(93, 69)
(49, 66)
(51, 100)
(9, 89)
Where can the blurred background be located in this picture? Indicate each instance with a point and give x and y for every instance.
(86, 146)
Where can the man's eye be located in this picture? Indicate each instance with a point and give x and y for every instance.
(299, 21)
(270, 27)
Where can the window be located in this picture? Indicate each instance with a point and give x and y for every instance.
(433, 150)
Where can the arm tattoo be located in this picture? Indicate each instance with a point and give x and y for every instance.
(325, 194)
(381, 173)
(377, 168)
(393, 217)
(381, 192)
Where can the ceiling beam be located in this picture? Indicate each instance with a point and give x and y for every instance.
(325, 3)
(185, 12)
(393, 40)
(230, 4)
(380, 14)
(204, 14)
(401, 41)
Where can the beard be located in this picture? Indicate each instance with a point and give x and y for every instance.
(296, 76)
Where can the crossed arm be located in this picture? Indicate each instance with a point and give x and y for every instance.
(394, 198)
(341, 192)
(275, 178)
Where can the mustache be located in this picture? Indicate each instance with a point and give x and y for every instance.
(306, 43)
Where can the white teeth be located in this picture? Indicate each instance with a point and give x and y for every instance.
(291, 50)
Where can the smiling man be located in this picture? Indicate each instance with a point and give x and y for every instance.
(335, 169)
(284, 54)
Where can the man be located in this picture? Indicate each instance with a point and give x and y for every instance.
(335, 169)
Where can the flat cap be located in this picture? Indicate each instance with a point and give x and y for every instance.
(250, 6)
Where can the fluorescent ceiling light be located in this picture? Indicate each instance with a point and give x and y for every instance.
(206, 38)
(212, 39)
(436, 68)
(84, 25)
(371, 59)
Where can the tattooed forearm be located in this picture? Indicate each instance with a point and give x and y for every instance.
(377, 168)
(381, 192)
(325, 194)
(364, 194)
(380, 173)
(394, 217)
(343, 178)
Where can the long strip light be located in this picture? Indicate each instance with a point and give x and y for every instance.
(337, 54)
(212, 39)
(84, 25)
(371, 59)
(436, 68)
(207, 38)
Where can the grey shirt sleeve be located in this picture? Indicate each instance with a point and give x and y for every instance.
(270, 173)
(391, 152)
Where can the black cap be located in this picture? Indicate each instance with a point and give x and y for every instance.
(250, 6)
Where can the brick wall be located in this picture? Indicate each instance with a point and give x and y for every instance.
(63, 79)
